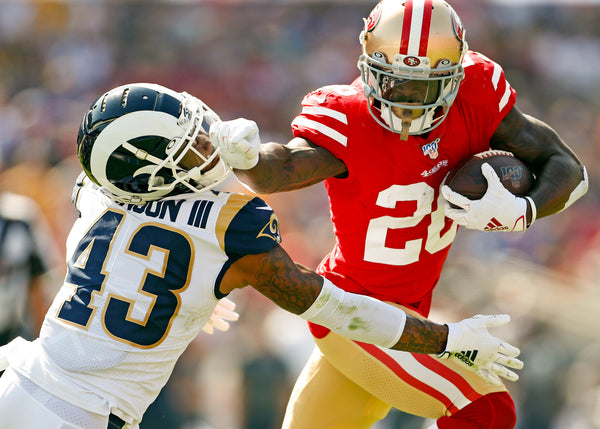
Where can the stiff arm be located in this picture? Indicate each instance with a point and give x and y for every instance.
(301, 291)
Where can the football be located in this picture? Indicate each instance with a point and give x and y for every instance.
(466, 178)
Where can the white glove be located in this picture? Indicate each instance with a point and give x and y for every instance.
(497, 210)
(221, 315)
(18, 346)
(239, 142)
(470, 344)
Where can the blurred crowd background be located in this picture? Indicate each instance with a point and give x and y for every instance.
(257, 59)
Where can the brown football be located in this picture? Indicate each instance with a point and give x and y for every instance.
(466, 178)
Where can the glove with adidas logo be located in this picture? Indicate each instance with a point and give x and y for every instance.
(497, 210)
(472, 346)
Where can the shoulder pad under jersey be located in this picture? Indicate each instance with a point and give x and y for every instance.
(485, 83)
(330, 96)
(325, 116)
(247, 225)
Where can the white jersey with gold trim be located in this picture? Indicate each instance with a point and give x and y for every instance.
(141, 282)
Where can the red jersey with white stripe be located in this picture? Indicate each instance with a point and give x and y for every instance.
(392, 237)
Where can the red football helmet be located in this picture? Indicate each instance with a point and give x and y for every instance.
(411, 63)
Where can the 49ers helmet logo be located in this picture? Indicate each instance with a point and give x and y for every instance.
(374, 16)
(457, 25)
(412, 61)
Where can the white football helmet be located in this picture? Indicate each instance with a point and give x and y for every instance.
(133, 138)
(411, 63)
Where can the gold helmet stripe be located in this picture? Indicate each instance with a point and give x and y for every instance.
(415, 28)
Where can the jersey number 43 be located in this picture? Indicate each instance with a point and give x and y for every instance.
(87, 273)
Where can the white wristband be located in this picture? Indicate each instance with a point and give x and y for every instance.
(357, 317)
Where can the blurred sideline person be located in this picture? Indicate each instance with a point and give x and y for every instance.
(383, 145)
(153, 255)
(23, 265)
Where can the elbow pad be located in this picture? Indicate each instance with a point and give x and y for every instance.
(357, 317)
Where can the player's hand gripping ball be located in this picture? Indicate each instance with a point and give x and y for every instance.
(466, 178)
(488, 192)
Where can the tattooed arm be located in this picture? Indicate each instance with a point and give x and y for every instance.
(303, 292)
(295, 288)
(361, 318)
(295, 165)
(423, 336)
(560, 176)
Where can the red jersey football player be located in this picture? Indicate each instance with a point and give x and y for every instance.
(383, 145)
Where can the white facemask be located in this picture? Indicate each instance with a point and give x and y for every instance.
(416, 125)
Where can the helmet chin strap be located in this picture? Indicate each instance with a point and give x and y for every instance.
(407, 118)
(141, 154)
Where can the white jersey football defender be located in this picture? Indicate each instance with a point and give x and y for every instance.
(142, 280)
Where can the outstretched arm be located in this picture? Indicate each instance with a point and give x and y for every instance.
(307, 294)
(296, 289)
(272, 167)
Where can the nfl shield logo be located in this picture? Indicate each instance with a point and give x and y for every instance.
(514, 174)
(431, 149)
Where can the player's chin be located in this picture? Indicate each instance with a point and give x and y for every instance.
(402, 113)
